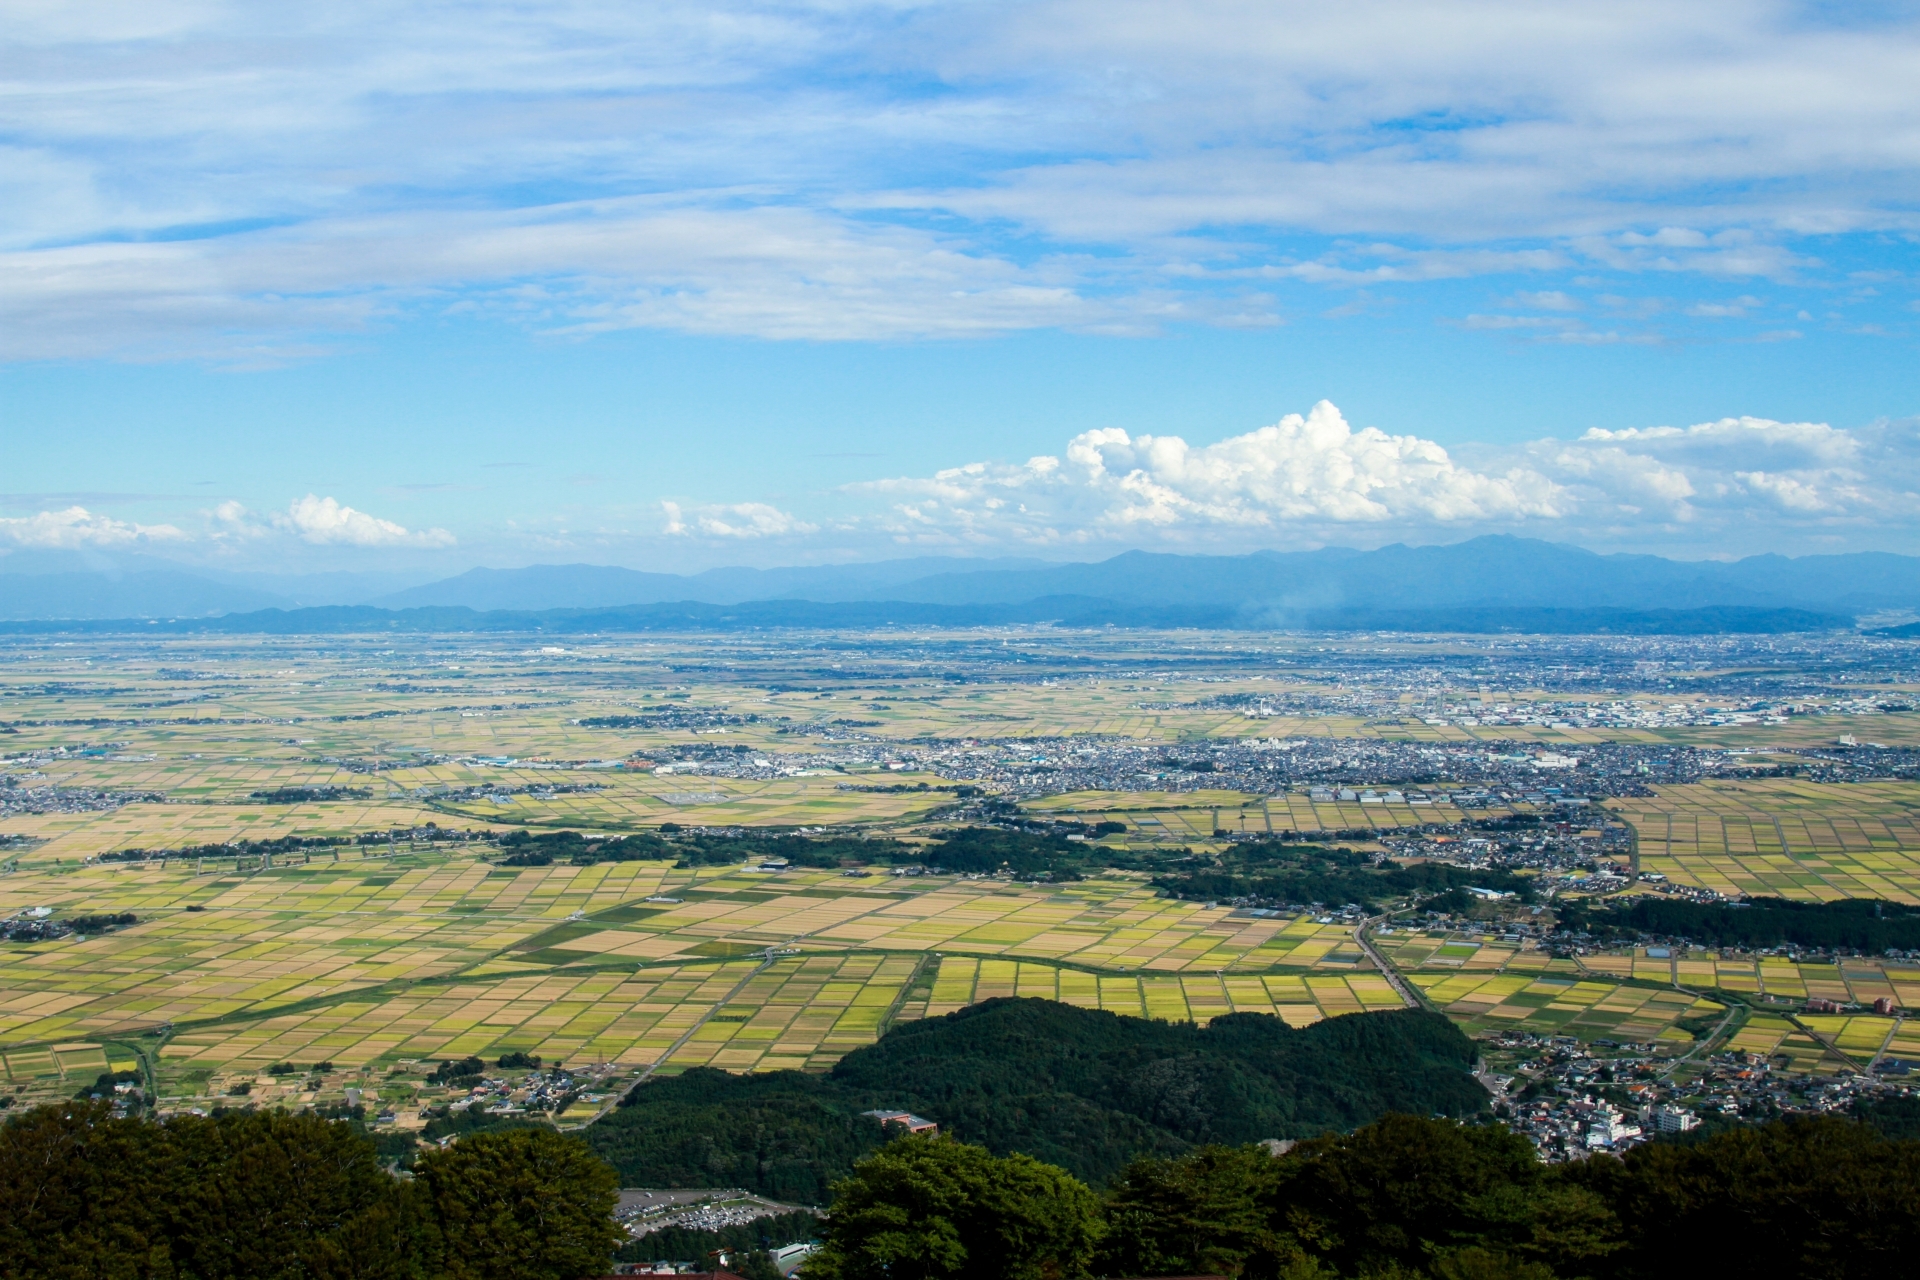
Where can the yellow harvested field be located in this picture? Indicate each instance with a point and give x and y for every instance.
(1301, 999)
(1783, 837)
(1554, 1005)
(792, 1011)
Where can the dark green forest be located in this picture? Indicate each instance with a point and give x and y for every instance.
(691, 849)
(1083, 1089)
(266, 1195)
(1277, 873)
(1851, 924)
(271, 1196)
(1406, 1197)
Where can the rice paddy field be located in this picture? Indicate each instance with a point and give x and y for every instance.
(1552, 1004)
(426, 953)
(410, 944)
(1301, 999)
(1783, 837)
(1196, 815)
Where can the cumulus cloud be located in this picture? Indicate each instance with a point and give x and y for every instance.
(1743, 470)
(1314, 478)
(1311, 470)
(325, 522)
(76, 528)
(741, 520)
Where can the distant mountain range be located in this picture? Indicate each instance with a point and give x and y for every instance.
(1489, 583)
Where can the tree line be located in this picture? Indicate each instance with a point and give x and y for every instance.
(271, 1196)
(1404, 1198)
(1283, 873)
(1850, 924)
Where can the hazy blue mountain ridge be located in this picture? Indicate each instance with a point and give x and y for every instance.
(1325, 587)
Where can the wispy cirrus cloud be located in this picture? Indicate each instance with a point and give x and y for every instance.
(211, 180)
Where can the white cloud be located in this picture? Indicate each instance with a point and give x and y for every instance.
(740, 520)
(194, 178)
(324, 521)
(1303, 471)
(1746, 470)
(76, 528)
(1313, 479)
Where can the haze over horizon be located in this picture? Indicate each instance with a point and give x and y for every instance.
(406, 288)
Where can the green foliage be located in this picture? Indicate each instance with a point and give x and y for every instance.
(684, 1244)
(1283, 872)
(271, 1196)
(1407, 1191)
(453, 1070)
(102, 923)
(1852, 924)
(783, 1134)
(304, 795)
(1896, 1118)
(755, 1265)
(1825, 1199)
(824, 853)
(1086, 1090)
(522, 1205)
(1202, 1214)
(1403, 1197)
(1026, 854)
(933, 1208)
(246, 1196)
(1817, 1199)
(539, 849)
(444, 1122)
(102, 1087)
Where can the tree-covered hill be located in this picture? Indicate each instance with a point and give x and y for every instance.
(1281, 873)
(1852, 924)
(1083, 1089)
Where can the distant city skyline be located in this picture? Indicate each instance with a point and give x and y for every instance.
(403, 286)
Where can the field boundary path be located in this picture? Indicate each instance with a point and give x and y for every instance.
(1881, 1052)
(1392, 975)
(1706, 1042)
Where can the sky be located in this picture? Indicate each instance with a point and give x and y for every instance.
(423, 286)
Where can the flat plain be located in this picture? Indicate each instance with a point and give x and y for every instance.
(383, 928)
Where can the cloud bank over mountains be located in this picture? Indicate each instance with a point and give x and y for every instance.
(318, 521)
(1315, 477)
(1307, 480)
(212, 180)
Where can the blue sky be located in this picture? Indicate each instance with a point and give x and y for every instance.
(434, 285)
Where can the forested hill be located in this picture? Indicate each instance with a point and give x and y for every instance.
(1083, 1089)
(1853, 924)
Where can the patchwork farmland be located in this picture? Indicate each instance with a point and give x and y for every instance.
(330, 894)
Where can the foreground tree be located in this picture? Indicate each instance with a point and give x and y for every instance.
(934, 1209)
(524, 1204)
(1204, 1214)
(1815, 1198)
(257, 1195)
(269, 1196)
(1406, 1197)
